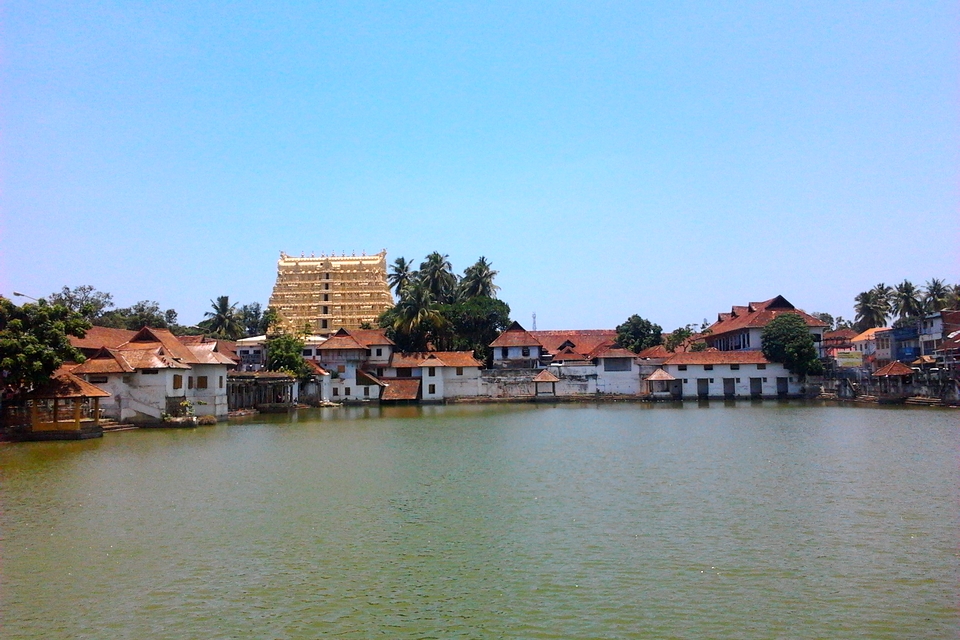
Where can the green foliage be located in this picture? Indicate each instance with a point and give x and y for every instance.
(637, 334)
(787, 340)
(145, 313)
(224, 321)
(34, 341)
(475, 323)
(477, 281)
(85, 300)
(677, 337)
(285, 353)
(698, 346)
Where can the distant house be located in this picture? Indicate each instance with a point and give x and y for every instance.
(876, 351)
(153, 373)
(355, 358)
(432, 376)
(516, 348)
(741, 328)
(728, 374)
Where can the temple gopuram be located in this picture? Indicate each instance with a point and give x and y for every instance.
(323, 294)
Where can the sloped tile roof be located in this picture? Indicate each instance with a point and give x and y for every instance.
(758, 315)
(342, 342)
(434, 359)
(371, 337)
(895, 368)
(545, 376)
(515, 336)
(104, 361)
(611, 351)
(583, 341)
(67, 385)
(657, 351)
(869, 334)
(173, 348)
(712, 356)
(102, 337)
(660, 375)
(401, 389)
(315, 368)
(206, 353)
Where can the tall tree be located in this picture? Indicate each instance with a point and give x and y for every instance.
(85, 300)
(873, 307)
(478, 280)
(34, 341)
(677, 337)
(475, 323)
(145, 313)
(935, 295)
(906, 301)
(637, 334)
(285, 353)
(416, 320)
(786, 339)
(436, 274)
(251, 315)
(224, 321)
(401, 274)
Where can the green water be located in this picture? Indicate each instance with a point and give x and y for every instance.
(616, 521)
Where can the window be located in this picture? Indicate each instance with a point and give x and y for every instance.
(308, 352)
(459, 371)
(734, 367)
(201, 382)
(379, 352)
(525, 352)
(684, 381)
(617, 364)
(326, 297)
(431, 371)
(149, 372)
(346, 391)
(341, 368)
(323, 324)
(404, 372)
(366, 391)
(431, 388)
(336, 391)
(681, 367)
(711, 380)
(379, 372)
(504, 352)
(98, 379)
(221, 382)
(177, 381)
(189, 382)
(708, 367)
(326, 310)
(326, 276)
(762, 366)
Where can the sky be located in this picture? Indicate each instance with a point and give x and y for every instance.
(667, 159)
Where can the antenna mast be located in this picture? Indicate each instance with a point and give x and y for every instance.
(534, 321)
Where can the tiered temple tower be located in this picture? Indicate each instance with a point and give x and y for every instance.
(330, 292)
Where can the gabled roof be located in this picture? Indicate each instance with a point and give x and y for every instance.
(367, 378)
(342, 340)
(173, 348)
(371, 337)
(515, 336)
(712, 356)
(660, 375)
(758, 315)
(656, 351)
(895, 368)
(66, 385)
(104, 361)
(206, 353)
(610, 350)
(582, 341)
(546, 376)
(315, 368)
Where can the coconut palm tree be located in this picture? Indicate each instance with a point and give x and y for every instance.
(401, 274)
(224, 321)
(906, 301)
(935, 295)
(478, 281)
(872, 307)
(436, 273)
(417, 316)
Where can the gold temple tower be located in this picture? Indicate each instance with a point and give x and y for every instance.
(330, 292)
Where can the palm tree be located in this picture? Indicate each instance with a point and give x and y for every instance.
(436, 273)
(417, 315)
(224, 321)
(872, 307)
(935, 295)
(478, 281)
(401, 274)
(906, 301)
(952, 299)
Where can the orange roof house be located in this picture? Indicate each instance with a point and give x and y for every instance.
(742, 326)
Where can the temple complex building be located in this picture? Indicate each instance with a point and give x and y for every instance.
(326, 293)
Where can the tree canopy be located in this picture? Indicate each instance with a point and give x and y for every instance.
(787, 340)
(285, 353)
(34, 341)
(637, 334)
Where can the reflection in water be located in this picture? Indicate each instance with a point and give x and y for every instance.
(769, 520)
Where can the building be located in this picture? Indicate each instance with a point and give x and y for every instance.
(727, 374)
(154, 374)
(355, 359)
(432, 376)
(741, 329)
(321, 295)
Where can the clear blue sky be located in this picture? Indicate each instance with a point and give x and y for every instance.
(663, 158)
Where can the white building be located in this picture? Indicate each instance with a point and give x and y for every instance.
(728, 374)
(154, 374)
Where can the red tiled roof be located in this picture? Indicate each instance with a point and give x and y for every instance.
(206, 353)
(102, 337)
(171, 345)
(434, 359)
(104, 361)
(67, 385)
(546, 376)
(660, 375)
(895, 368)
(611, 351)
(657, 351)
(582, 341)
(758, 315)
(515, 336)
(869, 334)
(341, 341)
(315, 368)
(401, 389)
(370, 337)
(712, 356)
